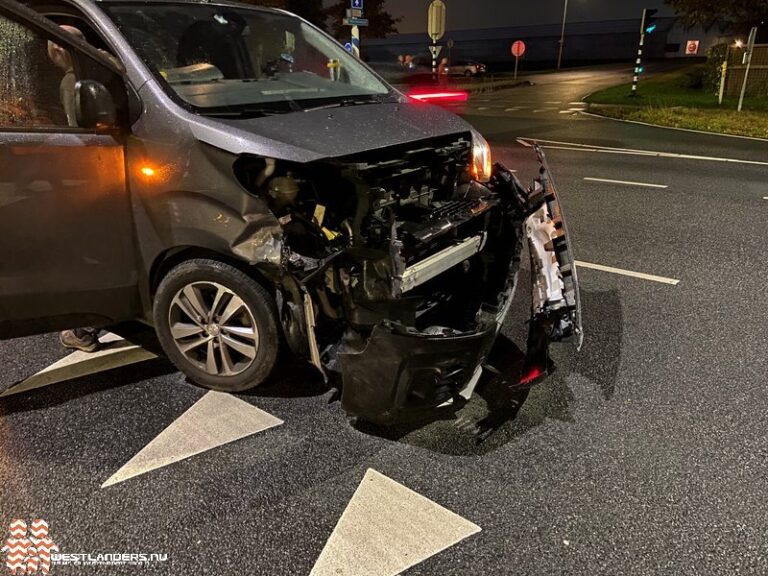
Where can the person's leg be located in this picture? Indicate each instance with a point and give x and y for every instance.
(85, 339)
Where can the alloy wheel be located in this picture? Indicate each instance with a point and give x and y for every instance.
(213, 328)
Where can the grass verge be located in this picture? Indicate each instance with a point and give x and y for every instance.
(746, 123)
(675, 99)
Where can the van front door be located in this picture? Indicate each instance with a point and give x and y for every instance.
(67, 255)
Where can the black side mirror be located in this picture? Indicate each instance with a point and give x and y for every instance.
(94, 106)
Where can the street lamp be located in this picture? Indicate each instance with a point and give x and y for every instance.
(562, 36)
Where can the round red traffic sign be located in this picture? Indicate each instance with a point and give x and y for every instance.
(518, 48)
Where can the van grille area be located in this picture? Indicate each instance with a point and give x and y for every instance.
(420, 199)
(417, 243)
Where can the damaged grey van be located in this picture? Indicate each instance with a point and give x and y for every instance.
(231, 176)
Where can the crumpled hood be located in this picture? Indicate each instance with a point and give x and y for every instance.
(328, 133)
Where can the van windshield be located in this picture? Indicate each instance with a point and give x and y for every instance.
(224, 60)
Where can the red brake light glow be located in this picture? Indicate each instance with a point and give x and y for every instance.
(533, 374)
(438, 97)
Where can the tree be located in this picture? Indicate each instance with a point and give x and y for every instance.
(738, 15)
(312, 10)
(381, 21)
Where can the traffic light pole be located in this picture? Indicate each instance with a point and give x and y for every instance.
(639, 61)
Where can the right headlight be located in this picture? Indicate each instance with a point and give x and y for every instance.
(482, 160)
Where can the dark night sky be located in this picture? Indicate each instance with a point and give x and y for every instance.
(464, 14)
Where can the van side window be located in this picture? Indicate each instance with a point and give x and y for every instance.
(38, 78)
(29, 79)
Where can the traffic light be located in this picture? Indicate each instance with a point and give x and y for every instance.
(650, 20)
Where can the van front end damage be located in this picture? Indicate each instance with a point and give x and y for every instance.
(400, 371)
(400, 268)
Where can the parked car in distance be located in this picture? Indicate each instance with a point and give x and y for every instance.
(466, 68)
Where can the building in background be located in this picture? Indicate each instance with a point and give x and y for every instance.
(586, 43)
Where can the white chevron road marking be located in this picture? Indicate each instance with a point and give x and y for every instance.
(216, 419)
(115, 354)
(388, 528)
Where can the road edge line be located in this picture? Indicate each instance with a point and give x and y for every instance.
(689, 130)
(626, 183)
(629, 273)
(576, 146)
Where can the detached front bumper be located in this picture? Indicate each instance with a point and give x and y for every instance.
(398, 372)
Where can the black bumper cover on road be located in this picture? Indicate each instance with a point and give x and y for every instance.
(400, 373)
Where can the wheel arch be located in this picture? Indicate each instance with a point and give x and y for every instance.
(173, 257)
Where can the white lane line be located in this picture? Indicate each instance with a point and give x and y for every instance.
(214, 420)
(115, 354)
(765, 197)
(544, 110)
(573, 146)
(626, 183)
(388, 528)
(620, 272)
(482, 108)
(524, 143)
(558, 102)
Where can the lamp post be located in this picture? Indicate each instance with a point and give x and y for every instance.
(562, 36)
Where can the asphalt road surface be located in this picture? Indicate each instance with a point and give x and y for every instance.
(645, 453)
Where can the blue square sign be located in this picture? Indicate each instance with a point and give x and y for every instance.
(356, 4)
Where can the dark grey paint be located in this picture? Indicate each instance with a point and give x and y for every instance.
(337, 132)
(194, 202)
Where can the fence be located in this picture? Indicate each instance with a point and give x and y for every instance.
(757, 85)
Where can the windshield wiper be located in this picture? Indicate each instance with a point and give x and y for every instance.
(268, 109)
(290, 105)
(349, 101)
(247, 113)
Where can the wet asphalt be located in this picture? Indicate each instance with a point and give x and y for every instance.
(645, 453)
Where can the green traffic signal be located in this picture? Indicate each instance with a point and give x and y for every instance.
(650, 20)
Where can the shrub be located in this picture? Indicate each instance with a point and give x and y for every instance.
(714, 67)
(694, 79)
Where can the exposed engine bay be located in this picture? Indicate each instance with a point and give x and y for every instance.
(399, 267)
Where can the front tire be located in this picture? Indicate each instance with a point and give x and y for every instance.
(217, 325)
